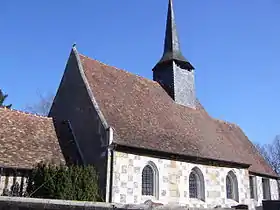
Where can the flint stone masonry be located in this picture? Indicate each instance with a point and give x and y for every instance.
(173, 183)
(14, 203)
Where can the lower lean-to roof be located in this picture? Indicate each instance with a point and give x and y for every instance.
(27, 139)
(143, 115)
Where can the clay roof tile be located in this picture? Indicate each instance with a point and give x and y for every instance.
(143, 115)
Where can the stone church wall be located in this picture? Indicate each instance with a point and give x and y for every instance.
(173, 178)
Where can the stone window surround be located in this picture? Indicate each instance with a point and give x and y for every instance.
(200, 184)
(231, 175)
(155, 181)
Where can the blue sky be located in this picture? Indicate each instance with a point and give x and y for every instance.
(234, 46)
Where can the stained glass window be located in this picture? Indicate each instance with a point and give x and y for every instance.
(148, 181)
(229, 186)
(232, 186)
(193, 182)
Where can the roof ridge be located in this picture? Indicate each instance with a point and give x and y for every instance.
(226, 122)
(119, 69)
(24, 112)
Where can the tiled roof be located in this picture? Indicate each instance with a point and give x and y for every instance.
(143, 115)
(27, 139)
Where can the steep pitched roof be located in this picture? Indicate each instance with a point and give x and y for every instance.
(27, 139)
(143, 115)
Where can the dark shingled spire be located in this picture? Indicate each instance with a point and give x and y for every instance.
(172, 51)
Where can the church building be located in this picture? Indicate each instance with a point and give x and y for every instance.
(151, 140)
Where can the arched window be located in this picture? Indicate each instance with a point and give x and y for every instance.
(150, 180)
(232, 186)
(196, 184)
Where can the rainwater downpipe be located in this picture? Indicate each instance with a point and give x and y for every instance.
(111, 163)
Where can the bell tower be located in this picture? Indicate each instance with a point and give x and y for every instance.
(173, 71)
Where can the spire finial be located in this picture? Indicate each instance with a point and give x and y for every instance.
(172, 50)
(171, 43)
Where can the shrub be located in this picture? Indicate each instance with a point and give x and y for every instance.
(61, 182)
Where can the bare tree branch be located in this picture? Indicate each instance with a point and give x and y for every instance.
(271, 153)
(42, 107)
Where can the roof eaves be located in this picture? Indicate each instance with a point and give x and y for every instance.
(265, 175)
(178, 156)
(5, 167)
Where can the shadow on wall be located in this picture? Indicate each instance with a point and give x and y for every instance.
(241, 206)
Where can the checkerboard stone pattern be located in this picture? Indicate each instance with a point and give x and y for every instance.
(173, 178)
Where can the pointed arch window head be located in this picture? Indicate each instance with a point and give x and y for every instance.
(150, 180)
(232, 186)
(196, 184)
